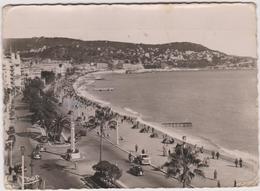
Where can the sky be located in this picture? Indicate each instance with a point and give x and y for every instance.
(230, 28)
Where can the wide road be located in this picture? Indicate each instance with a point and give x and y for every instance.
(90, 147)
(54, 176)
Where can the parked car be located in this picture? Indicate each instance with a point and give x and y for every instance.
(40, 148)
(43, 139)
(11, 130)
(136, 170)
(145, 159)
(18, 168)
(36, 155)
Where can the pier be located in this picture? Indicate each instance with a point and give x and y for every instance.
(182, 124)
(104, 89)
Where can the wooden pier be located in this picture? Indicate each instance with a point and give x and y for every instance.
(182, 124)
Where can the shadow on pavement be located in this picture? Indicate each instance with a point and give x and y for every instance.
(59, 154)
(52, 166)
(32, 135)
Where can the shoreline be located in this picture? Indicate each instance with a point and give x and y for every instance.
(251, 161)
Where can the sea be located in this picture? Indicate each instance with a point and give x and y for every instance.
(221, 105)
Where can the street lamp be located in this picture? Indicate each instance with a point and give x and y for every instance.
(22, 148)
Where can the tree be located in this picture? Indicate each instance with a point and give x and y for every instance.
(59, 123)
(184, 164)
(103, 116)
(105, 169)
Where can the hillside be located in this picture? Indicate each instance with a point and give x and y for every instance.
(176, 54)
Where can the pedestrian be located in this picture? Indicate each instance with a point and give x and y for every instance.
(218, 184)
(213, 154)
(130, 157)
(236, 162)
(215, 174)
(164, 151)
(10, 169)
(217, 155)
(169, 152)
(240, 162)
(136, 148)
(235, 183)
(143, 151)
(201, 149)
(76, 165)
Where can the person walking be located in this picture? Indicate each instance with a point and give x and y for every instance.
(143, 151)
(130, 157)
(164, 151)
(215, 174)
(136, 148)
(240, 162)
(217, 155)
(213, 154)
(236, 162)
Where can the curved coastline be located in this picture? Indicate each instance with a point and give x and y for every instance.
(227, 154)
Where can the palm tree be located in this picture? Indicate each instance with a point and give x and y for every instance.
(59, 123)
(103, 117)
(183, 165)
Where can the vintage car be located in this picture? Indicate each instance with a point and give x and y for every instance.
(36, 155)
(43, 139)
(11, 130)
(18, 168)
(142, 159)
(145, 159)
(40, 148)
(136, 170)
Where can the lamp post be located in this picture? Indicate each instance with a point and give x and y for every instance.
(117, 133)
(100, 115)
(10, 153)
(72, 133)
(22, 148)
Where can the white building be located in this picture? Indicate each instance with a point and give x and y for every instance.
(127, 66)
(101, 66)
(8, 73)
(16, 62)
(12, 72)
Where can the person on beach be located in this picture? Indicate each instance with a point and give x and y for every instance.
(236, 162)
(240, 162)
(217, 155)
(213, 154)
(235, 183)
(136, 148)
(215, 174)
(218, 184)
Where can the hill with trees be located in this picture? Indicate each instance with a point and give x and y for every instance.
(170, 55)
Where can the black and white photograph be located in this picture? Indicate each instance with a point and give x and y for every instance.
(158, 95)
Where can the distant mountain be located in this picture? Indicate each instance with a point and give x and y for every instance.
(175, 54)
